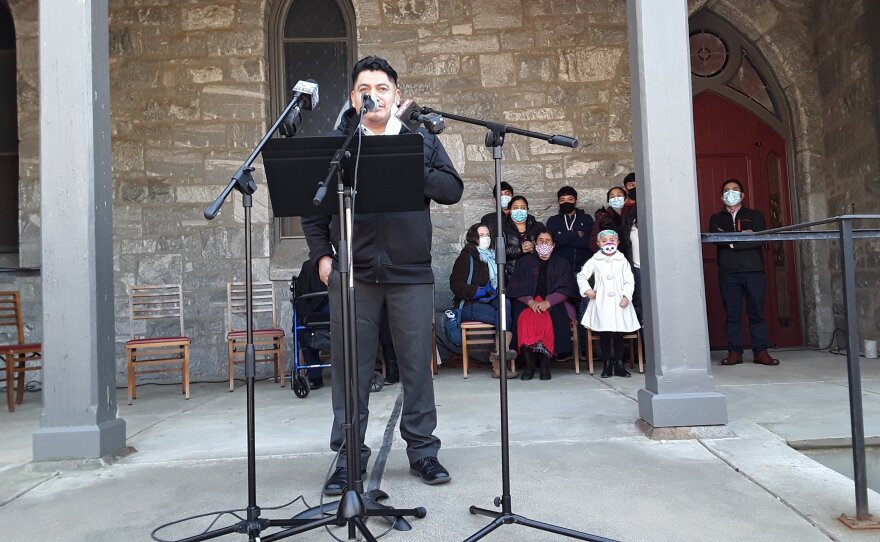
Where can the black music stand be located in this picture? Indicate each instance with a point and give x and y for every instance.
(292, 168)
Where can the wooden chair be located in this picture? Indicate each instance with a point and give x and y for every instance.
(635, 346)
(268, 341)
(18, 357)
(575, 345)
(477, 334)
(153, 304)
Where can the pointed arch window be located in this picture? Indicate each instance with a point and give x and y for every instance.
(311, 39)
(723, 61)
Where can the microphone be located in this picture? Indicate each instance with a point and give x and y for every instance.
(565, 141)
(305, 97)
(367, 103)
(410, 114)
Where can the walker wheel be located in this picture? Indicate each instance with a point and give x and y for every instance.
(377, 382)
(300, 386)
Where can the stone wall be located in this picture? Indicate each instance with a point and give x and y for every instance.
(847, 54)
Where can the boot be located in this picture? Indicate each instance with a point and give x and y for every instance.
(392, 373)
(529, 371)
(608, 371)
(620, 370)
(496, 367)
(545, 367)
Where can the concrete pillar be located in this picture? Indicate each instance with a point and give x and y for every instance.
(79, 396)
(679, 388)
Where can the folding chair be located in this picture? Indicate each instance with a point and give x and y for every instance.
(18, 357)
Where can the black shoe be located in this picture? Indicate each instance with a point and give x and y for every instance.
(608, 371)
(620, 370)
(545, 368)
(430, 471)
(316, 383)
(338, 482)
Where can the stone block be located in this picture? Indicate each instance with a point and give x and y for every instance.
(410, 11)
(497, 70)
(247, 70)
(160, 269)
(210, 74)
(461, 44)
(454, 146)
(208, 17)
(542, 113)
(537, 68)
(555, 32)
(182, 108)
(589, 64)
(174, 163)
(538, 147)
(435, 65)
(368, 12)
(439, 29)
(455, 9)
(228, 102)
(518, 40)
(577, 167)
(497, 14)
(128, 156)
(239, 43)
(157, 42)
(125, 41)
(132, 72)
(462, 29)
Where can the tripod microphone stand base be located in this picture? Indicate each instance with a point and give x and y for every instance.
(506, 518)
(373, 508)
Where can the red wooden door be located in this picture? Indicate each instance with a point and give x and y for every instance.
(731, 142)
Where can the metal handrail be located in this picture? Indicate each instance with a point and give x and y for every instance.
(846, 234)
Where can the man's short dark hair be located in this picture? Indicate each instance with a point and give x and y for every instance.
(739, 184)
(566, 191)
(373, 64)
(504, 186)
(630, 178)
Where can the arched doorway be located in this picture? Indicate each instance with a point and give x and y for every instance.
(741, 131)
(8, 142)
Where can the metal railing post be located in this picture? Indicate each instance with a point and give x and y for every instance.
(847, 260)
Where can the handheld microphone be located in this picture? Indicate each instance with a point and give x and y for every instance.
(367, 102)
(410, 115)
(305, 97)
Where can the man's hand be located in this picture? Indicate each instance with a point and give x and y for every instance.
(325, 265)
(624, 302)
(590, 293)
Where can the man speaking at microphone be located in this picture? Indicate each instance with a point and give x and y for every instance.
(391, 259)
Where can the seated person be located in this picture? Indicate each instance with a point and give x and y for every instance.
(478, 296)
(316, 309)
(544, 293)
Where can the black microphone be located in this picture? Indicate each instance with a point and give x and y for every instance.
(367, 103)
(305, 97)
(410, 115)
(565, 141)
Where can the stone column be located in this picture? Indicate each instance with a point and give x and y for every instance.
(79, 396)
(679, 387)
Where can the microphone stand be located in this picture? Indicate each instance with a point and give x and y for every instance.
(355, 506)
(244, 183)
(495, 140)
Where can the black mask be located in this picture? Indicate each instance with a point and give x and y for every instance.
(631, 193)
(566, 208)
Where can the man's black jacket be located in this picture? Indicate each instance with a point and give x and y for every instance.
(745, 257)
(390, 247)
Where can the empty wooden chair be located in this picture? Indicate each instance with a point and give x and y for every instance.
(160, 346)
(478, 334)
(268, 339)
(635, 349)
(18, 357)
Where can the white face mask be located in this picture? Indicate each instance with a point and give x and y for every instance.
(505, 201)
(617, 202)
(485, 242)
(609, 248)
(732, 197)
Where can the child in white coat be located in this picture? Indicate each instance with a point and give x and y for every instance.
(609, 312)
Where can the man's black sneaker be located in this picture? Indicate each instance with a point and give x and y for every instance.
(430, 471)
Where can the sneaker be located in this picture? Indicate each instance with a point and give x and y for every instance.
(430, 471)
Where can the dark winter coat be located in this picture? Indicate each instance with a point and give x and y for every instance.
(458, 283)
(393, 248)
(513, 241)
(745, 257)
(574, 244)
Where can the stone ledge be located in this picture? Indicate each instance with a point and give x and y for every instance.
(97, 463)
(684, 433)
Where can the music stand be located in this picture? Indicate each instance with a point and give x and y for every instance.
(292, 168)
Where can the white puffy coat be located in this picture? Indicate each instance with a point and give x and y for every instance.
(613, 281)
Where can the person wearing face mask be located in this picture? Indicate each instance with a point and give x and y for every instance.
(520, 230)
(480, 293)
(741, 274)
(609, 312)
(629, 184)
(571, 228)
(506, 195)
(618, 217)
(544, 293)
(391, 260)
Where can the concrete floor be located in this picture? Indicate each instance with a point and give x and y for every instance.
(578, 460)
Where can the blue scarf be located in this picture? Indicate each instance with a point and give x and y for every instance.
(487, 255)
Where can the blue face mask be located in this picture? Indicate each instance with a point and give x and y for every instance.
(617, 202)
(519, 215)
